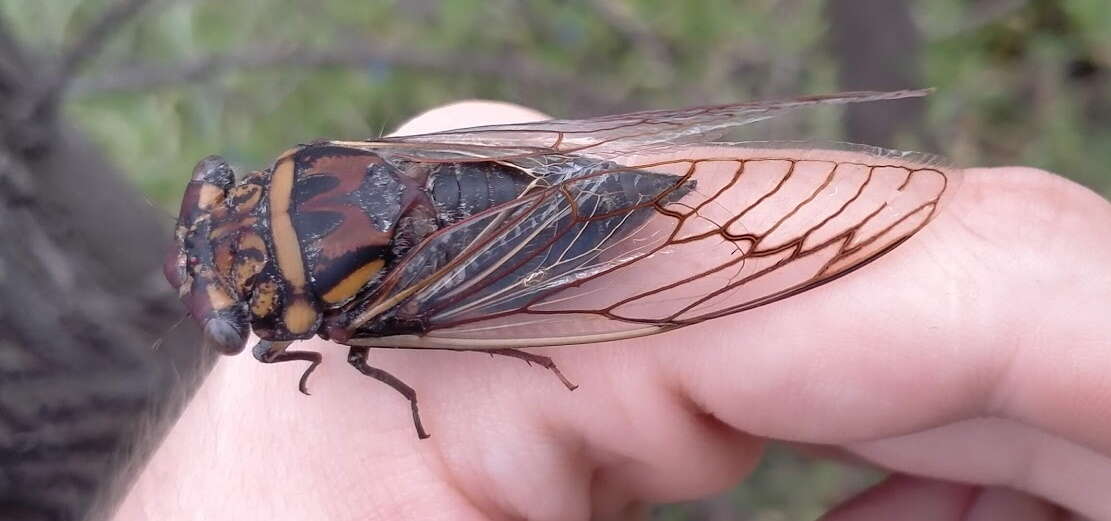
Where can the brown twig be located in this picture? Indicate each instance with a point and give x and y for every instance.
(593, 94)
(84, 48)
(90, 43)
(32, 95)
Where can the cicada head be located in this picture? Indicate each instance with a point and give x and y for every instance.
(217, 253)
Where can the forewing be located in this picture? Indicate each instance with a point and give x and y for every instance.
(707, 232)
(605, 137)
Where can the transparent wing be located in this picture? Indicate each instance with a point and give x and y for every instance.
(603, 137)
(655, 244)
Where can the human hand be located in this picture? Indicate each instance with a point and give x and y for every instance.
(978, 352)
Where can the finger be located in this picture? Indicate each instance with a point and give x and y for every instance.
(991, 214)
(848, 368)
(710, 457)
(470, 113)
(970, 317)
(1001, 452)
(913, 499)
(837, 364)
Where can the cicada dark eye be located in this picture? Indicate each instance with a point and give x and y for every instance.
(215, 170)
(226, 336)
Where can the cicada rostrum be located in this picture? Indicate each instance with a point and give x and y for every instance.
(540, 234)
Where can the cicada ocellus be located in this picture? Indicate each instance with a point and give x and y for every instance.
(540, 234)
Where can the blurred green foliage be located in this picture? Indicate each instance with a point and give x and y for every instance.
(1018, 82)
(1024, 83)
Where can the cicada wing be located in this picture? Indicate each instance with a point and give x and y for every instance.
(659, 243)
(605, 137)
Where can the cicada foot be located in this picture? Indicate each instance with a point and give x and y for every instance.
(269, 352)
(357, 358)
(529, 358)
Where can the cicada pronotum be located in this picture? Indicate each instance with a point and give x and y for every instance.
(539, 234)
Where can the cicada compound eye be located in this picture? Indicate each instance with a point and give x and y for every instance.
(214, 170)
(225, 335)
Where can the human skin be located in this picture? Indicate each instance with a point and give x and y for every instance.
(974, 362)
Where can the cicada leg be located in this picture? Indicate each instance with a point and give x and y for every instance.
(529, 358)
(357, 358)
(269, 352)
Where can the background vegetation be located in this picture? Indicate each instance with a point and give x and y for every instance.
(1018, 82)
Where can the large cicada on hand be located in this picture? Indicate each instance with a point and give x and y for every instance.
(540, 234)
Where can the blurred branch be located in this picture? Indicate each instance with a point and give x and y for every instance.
(877, 56)
(983, 13)
(79, 384)
(785, 67)
(31, 91)
(89, 44)
(13, 63)
(84, 48)
(595, 94)
(619, 15)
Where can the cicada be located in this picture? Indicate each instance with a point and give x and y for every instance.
(551, 233)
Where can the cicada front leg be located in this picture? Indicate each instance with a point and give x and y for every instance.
(269, 352)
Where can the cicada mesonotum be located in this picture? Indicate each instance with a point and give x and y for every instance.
(539, 234)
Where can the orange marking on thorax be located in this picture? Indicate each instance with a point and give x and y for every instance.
(252, 241)
(210, 196)
(299, 317)
(286, 246)
(227, 228)
(264, 299)
(245, 197)
(351, 284)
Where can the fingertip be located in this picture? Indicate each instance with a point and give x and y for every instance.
(908, 499)
(468, 113)
(912, 499)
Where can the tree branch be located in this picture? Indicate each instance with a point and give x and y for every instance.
(594, 94)
(90, 43)
(982, 13)
(13, 64)
(84, 48)
(877, 56)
